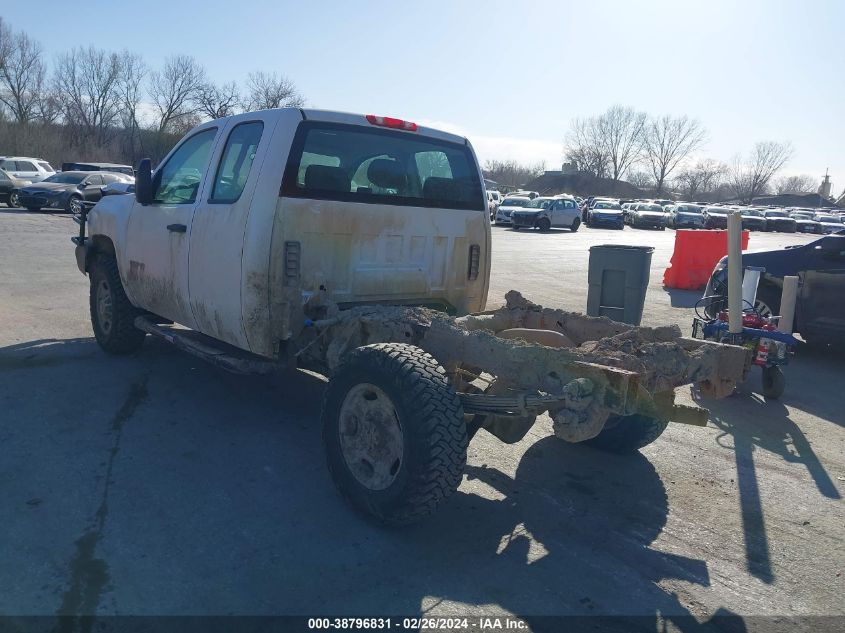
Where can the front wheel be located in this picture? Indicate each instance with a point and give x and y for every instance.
(544, 225)
(576, 223)
(629, 433)
(112, 315)
(394, 433)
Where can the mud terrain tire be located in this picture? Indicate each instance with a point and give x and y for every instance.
(112, 316)
(394, 433)
(627, 434)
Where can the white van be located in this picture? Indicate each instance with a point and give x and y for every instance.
(27, 168)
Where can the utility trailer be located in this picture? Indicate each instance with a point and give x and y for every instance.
(359, 247)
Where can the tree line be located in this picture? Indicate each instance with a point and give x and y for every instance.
(655, 153)
(93, 104)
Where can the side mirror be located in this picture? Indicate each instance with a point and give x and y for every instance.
(144, 182)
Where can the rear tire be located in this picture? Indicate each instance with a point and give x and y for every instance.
(74, 205)
(112, 315)
(576, 223)
(394, 433)
(627, 434)
(14, 200)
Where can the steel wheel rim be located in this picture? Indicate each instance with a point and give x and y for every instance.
(762, 308)
(371, 437)
(104, 306)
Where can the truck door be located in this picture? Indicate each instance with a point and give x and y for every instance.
(822, 287)
(155, 258)
(218, 227)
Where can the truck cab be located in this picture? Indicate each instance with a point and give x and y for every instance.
(250, 216)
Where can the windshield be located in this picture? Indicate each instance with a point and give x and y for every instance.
(650, 207)
(66, 178)
(828, 218)
(607, 205)
(775, 214)
(753, 212)
(538, 203)
(799, 215)
(717, 210)
(688, 208)
(46, 166)
(515, 202)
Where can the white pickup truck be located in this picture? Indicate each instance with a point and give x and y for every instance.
(359, 246)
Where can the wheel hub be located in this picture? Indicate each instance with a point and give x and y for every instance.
(371, 438)
(104, 306)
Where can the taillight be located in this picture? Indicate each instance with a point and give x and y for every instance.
(396, 124)
(474, 258)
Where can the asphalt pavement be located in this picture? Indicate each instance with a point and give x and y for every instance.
(156, 484)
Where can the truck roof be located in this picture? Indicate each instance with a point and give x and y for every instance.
(333, 116)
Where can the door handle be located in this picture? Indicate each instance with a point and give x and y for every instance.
(177, 228)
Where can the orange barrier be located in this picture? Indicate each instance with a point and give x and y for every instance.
(696, 254)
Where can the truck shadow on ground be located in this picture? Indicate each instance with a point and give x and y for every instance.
(683, 298)
(220, 481)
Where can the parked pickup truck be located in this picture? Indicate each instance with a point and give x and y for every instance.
(359, 247)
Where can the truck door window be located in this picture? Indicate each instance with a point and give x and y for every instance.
(236, 162)
(354, 163)
(178, 180)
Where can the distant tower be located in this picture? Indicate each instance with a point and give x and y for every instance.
(824, 188)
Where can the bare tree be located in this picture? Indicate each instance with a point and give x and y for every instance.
(86, 80)
(48, 108)
(21, 75)
(269, 90)
(642, 180)
(803, 183)
(585, 149)
(130, 88)
(750, 177)
(174, 92)
(701, 178)
(668, 142)
(511, 173)
(215, 101)
(622, 133)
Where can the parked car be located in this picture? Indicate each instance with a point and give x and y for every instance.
(752, 219)
(546, 213)
(8, 185)
(66, 190)
(119, 188)
(778, 220)
(510, 204)
(829, 223)
(805, 222)
(26, 168)
(684, 216)
(663, 203)
(820, 267)
(647, 215)
(606, 213)
(112, 167)
(716, 217)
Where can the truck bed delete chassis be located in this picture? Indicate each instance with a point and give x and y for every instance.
(512, 364)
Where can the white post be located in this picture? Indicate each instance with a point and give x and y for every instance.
(787, 303)
(735, 273)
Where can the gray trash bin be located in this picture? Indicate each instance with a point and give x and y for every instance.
(618, 279)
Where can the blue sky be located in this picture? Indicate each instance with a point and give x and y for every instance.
(511, 75)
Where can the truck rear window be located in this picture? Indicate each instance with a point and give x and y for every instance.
(330, 161)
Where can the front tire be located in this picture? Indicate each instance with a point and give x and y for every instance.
(627, 434)
(112, 315)
(394, 433)
(544, 225)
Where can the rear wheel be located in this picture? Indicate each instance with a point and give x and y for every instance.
(626, 434)
(112, 315)
(576, 223)
(394, 433)
(74, 205)
(14, 199)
